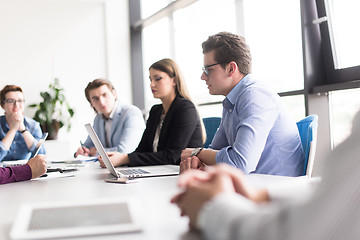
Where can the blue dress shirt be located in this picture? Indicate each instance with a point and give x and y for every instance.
(126, 130)
(18, 149)
(256, 134)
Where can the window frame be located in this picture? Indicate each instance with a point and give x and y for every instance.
(335, 79)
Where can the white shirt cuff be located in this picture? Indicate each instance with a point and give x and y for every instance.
(220, 210)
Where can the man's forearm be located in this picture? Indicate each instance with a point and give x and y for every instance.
(207, 156)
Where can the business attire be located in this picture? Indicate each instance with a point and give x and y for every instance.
(256, 133)
(15, 174)
(332, 212)
(18, 149)
(126, 129)
(180, 129)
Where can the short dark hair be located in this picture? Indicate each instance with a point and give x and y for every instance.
(6, 89)
(229, 47)
(96, 84)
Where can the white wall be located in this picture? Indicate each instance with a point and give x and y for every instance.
(73, 40)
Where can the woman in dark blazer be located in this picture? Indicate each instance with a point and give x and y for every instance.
(172, 126)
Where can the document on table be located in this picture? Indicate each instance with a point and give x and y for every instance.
(13, 163)
(78, 160)
(54, 175)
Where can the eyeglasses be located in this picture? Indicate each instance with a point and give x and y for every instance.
(205, 68)
(13, 101)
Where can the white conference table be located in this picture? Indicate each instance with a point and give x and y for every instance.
(162, 219)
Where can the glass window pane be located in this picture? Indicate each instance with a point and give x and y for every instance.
(214, 110)
(274, 42)
(192, 26)
(273, 32)
(295, 106)
(156, 46)
(343, 107)
(148, 8)
(344, 21)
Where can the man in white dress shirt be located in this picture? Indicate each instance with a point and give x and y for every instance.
(222, 205)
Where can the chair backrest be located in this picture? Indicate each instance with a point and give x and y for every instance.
(308, 133)
(211, 125)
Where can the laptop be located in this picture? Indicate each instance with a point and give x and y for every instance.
(130, 172)
(47, 220)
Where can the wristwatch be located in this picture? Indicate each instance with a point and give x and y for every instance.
(196, 151)
(23, 130)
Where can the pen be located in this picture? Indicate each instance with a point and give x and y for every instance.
(37, 151)
(82, 146)
(41, 143)
(61, 170)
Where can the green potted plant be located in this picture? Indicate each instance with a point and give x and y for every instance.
(54, 112)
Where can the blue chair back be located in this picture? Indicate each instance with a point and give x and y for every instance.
(308, 130)
(211, 125)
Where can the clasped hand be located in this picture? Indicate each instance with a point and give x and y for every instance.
(190, 162)
(202, 186)
(15, 120)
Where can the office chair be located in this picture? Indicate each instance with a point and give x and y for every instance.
(211, 125)
(308, 133)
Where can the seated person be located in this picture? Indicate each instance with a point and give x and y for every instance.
(223, 205)
(34, 168)
(256, 134)
(118, 126)
(19, 135)
(172, 125)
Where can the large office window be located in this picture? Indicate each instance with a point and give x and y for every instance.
(340, 46)
(273, 31)
(344, 20)
(192, 26)
(148, 8)
(156, 45)
(274, 37)
(307, 51)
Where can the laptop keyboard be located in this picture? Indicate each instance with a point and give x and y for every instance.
(134, 171)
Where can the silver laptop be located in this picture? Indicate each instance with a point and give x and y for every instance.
(130, 172)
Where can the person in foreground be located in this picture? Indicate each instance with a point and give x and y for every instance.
(256, 134)
(221, 195)
(19, 135)
(172, 125)
(118, 126)
(34, 168)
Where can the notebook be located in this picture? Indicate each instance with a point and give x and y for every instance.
(130, 172)
(70, 219)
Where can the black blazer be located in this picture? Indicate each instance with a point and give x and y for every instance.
(181, 129)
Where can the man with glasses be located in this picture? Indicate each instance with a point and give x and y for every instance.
(19, 135)
(256, 133)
